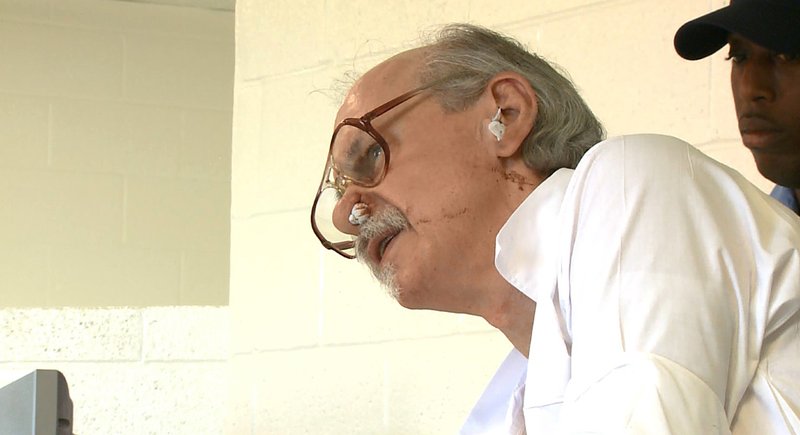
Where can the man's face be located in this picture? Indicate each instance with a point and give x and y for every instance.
(443, 179)
(766, 93)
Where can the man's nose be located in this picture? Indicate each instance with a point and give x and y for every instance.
(341, 212)
(757, 80)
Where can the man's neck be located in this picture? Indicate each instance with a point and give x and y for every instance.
(513, 315)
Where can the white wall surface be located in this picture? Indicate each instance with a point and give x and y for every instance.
(317, 348)
(115, 133)
(159, 371)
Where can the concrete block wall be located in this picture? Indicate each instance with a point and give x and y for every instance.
(115, 133)
(317, 348)
(160, 370)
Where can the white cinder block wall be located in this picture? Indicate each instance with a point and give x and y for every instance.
(160, 370)
(115, 132)
(317, 347)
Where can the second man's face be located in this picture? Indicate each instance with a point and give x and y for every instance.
(766, 93)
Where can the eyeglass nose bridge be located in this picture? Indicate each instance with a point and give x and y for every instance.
(340, 183)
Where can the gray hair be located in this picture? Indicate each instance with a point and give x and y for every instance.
(465, 57)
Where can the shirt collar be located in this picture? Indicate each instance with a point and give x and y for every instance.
(786, 196)
(524, 253)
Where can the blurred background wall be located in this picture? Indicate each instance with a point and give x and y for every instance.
(115, 139)
(317, 346)
(308, 342)
(115, 126)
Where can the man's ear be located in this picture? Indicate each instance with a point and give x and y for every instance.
(516, 98)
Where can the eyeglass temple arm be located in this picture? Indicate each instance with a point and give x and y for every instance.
(380, 110)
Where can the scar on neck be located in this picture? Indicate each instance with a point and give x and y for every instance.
(517, 178)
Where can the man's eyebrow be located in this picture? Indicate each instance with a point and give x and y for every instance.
(734, 39)
(352, 144)
(354, 148)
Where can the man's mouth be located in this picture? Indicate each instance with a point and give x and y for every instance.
(378, 235)
(385, 243)
(380, 247)
(758, 133)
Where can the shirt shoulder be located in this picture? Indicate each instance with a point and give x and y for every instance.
(662, 169)
(646, 150)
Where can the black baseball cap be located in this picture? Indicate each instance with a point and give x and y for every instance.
(773, 24)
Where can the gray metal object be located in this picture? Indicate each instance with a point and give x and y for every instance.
(36, 404)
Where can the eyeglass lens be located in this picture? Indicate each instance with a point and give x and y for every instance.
(357, 158)
(326, 202)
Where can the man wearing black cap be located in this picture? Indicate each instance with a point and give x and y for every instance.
(764, 40)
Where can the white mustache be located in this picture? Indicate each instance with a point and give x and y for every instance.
(388, 220)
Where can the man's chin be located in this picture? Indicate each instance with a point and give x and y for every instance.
(777, 173)
(386, 275)
(388, 278)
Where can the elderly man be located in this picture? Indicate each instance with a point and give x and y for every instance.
(764, 40)
(645, 287)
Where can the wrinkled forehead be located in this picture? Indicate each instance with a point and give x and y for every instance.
(385, 81)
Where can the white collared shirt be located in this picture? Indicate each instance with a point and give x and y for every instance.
(668, 300)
